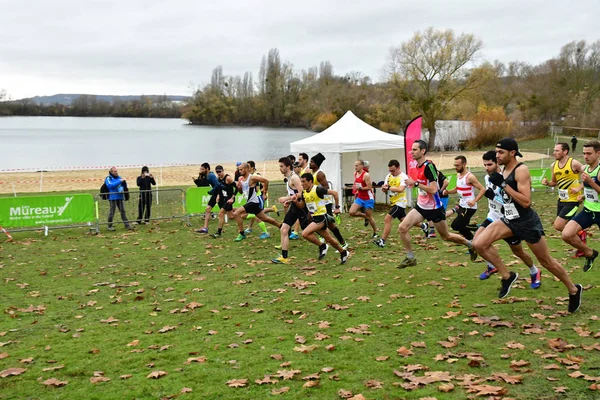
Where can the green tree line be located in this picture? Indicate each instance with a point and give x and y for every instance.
(91, 106)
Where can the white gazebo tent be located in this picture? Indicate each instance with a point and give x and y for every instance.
(348, 140)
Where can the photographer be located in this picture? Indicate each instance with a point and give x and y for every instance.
(145, 182)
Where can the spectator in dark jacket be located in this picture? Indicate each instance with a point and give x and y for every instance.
(145, 182)
(116, 189)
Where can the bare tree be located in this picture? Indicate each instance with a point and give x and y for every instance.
(432, 69)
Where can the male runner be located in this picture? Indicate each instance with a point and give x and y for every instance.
(213, 181)
(320, 178)
(363, 190)
(294, 213)
(313, 200)
(254, 203)
(566, 177)
(466, 183)
(429, 206)
(495, 202)
(263, 227)
(395, 182)
(226, 198)
(519, 220)
(303, 162)
(590, 214)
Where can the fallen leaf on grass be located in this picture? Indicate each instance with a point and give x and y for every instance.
(485, 390)
(196, 360)
(404, 352)
(305, 349)
(235, 383)
(446, 387)
(310, 384)
(134, 343)
(560, 389)
(284, 389)
(110, 320)
(53, 368)
(185, 390)
(156, 374)
(54, 382)
(126, 376)
(374, 384)
(266, 380)
(381, 358)
(3, 356)
(99, 379)
(26, 360)
(12, 372)
(167, 328)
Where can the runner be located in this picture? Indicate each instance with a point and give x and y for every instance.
(590, 214)
(312, 200)
(320, 178)
(226, 198)
(395, 182)
(263, 227)
(495, 202)
(254, 203)
(429, 206)
(566, 175)
(519, 220)
(363, 191)
(303, 161)
(466, 182)
(293, 214)
(443, 182)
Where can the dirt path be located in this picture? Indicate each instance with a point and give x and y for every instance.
(174, 176)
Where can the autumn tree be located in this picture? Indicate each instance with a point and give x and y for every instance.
(431, 70)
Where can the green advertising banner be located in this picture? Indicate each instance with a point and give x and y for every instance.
(20, 212)
(536, 177)
(197, 198)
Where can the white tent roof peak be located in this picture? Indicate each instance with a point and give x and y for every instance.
(349, 134)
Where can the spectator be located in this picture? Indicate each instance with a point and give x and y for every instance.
(574, 143)
(115, 185)
(145, 182)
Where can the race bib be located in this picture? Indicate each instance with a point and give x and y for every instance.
(495, 207)
(510, 211)
(312, 207)
(590, 195)
(563, 194)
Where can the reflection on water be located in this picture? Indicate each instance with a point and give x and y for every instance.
(46, 142)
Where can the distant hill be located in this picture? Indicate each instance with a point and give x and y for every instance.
(67, 99)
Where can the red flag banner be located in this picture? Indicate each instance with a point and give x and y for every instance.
(412, 133)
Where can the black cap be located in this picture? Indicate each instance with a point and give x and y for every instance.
(509, 144)
(145, 169)
(219, 168)
(318, 159)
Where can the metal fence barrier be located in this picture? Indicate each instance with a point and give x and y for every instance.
(165, 204)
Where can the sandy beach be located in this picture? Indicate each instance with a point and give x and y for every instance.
(91, 179)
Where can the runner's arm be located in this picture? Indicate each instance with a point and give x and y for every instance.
(475, 182)
(322, 179)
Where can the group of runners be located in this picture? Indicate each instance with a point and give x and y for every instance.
(311, 207)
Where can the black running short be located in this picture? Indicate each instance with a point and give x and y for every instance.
(322, 219)
(513, 240)
(566, 210)
(435, 215)
(253, 208)
(528, 229)
(397, 212)
(213, 199)
(295, 214)
(587, 218)
(224, 204)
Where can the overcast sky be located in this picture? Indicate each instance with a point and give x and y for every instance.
(155, 47)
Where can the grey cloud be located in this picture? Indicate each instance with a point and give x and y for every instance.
(144, 46)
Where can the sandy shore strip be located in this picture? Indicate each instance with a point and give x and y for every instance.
(82, 179)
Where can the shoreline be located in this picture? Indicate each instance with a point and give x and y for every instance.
(92, 179)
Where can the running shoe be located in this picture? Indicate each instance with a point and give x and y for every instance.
(345, 246)
(506, 285)
(264, 235)
(589, 261)
(536, 279)
(432, 233)
(280, 260)
(366, 222)
(344, 256)
(247, 231)
(338, 219)
(239, 238)
(379, 242)
(202, 230)
(323, 251)
(278, 247)
(408, 262)
(276, 210)
(375, 236)
(488, 272)
(473, 253)
(216, 235)
(425, 228)
(294, 236)
(575, 299)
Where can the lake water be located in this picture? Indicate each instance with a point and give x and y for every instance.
(70, 142)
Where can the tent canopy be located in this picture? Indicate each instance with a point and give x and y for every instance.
(348, 140)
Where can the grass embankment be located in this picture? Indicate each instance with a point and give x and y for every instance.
(122, 306)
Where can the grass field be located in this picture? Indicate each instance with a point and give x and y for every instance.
(163, 312)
